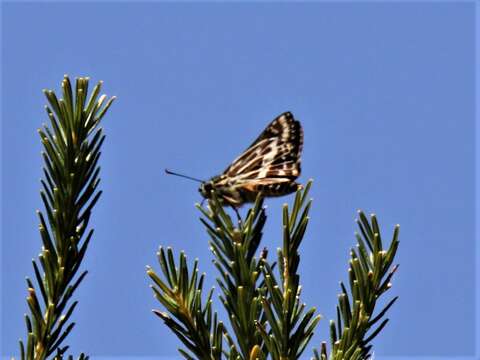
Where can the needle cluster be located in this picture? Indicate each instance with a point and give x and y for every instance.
(69, 192)
(266, 317)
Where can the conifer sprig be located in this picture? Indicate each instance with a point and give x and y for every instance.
(370, 272)
(234, 249)
(291, 328)
(70, 190)
(266, 315)
(180, 292)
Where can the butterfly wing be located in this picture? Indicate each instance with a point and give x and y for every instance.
(270, 164)
(278, 146)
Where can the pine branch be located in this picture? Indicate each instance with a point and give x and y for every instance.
(370, 273)
(180, 292)
(234, 248)
(291, 328)
(70, 190)
(265, 311)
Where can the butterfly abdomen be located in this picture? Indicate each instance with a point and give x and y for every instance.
(248, 193)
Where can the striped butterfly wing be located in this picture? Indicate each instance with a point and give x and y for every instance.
(269, 165)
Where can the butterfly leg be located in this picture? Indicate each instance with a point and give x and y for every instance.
(239, 218)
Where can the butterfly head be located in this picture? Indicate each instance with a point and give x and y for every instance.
(206, 189)
(218, 185)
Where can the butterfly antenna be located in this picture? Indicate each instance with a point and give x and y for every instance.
(181, 175)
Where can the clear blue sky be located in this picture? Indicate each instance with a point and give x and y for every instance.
(385, 93)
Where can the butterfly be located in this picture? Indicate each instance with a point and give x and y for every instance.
(270, 166)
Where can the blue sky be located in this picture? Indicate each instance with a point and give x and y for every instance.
(384, 91)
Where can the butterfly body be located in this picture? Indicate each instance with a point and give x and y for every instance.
(268, 166)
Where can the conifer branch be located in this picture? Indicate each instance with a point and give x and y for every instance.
(291, 328)
(234, 249)
(265, 312)
(180, 292)
(70, 190)
(370, 272)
